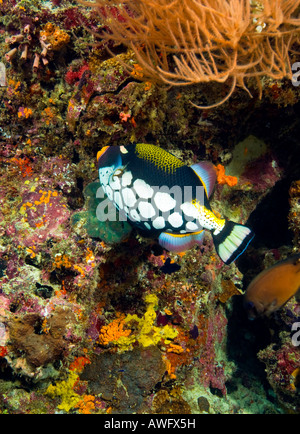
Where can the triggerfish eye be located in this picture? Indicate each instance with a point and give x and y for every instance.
(273, 287)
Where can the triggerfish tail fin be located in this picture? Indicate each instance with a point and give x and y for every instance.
(178, 243)
(232, 241)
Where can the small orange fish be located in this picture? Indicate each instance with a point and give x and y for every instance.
(273, 287)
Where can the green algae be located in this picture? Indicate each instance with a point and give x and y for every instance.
(244, 152)
(109, 231)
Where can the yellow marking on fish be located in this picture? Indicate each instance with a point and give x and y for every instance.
(208, 216)
(159, 157)
(184, 235)
(203, 183)
(101, 152)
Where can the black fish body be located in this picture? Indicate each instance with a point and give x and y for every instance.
(166, 199)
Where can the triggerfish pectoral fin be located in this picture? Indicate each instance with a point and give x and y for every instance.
(178, 243)
(206, 171)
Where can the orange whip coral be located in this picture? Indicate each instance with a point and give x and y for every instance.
(184, 42)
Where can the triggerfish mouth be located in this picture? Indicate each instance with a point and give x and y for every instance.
(273, 287)
(168, 200)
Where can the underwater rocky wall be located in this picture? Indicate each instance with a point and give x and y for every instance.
(95, 318)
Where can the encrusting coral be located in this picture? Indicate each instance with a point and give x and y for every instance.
(187, 42)
(146, 333)
(114, 333)
(51, 38)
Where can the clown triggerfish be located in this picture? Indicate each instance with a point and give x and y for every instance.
(168, 200)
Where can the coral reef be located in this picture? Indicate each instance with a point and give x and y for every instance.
(132, 377)
(94, 317)
(282, 367)
(206, 41)
(294, 213)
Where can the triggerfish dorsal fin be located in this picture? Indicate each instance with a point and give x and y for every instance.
(206, 171)
(178, 243)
